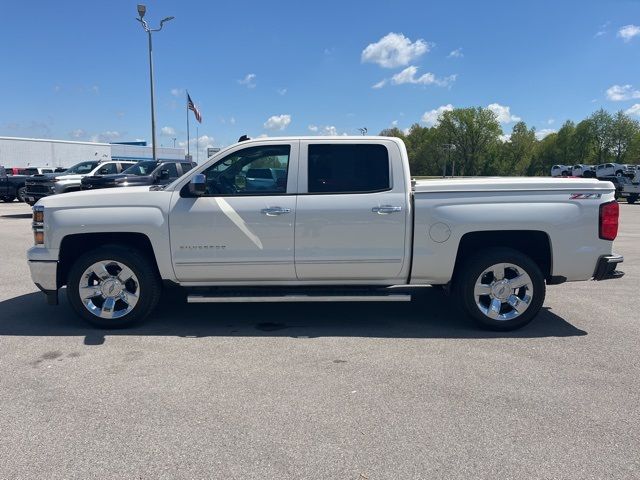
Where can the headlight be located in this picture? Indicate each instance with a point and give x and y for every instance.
(38, 225)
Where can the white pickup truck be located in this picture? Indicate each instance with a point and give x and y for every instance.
(342, 221)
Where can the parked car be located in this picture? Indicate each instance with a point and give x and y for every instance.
(560, 171)
(618, 183)
(30, 170)
(142, 173)
(346, 224)
(12, 186)
(265, 179)
(40, 186)
(581, 170)
(615, 169)
(631, 190)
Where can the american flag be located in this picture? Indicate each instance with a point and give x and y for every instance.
(191, 106)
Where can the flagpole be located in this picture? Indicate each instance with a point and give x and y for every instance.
(197, 145)
(187, 104)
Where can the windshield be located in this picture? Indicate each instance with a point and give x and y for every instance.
(82, 167)
(142, 168)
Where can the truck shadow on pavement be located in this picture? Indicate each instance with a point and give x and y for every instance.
(430, 315)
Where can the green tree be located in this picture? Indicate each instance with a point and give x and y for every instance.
(545, 156)
(520, 148)
(474, 132)
(602, 130)
(584, 142)
(564, 143)
(623, 131)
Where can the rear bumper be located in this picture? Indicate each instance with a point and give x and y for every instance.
(45, 276)
(606, 267)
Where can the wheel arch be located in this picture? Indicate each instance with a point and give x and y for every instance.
(72, 246)
(533, 243)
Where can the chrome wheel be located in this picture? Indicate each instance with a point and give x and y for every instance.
(503, 291)
(109, 289)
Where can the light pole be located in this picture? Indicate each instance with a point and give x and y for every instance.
(141, 11)
(448, 147)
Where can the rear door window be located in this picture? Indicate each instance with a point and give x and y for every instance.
(186, 166)
(343, 168)
(171, 168)
(108, 169)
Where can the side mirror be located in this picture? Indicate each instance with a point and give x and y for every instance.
(198, 185)
(164, 174)
(103, 171)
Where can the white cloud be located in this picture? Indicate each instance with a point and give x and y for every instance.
(95, 89)
(177, 92)
(503, 113)
(505, 138)
(457, 53)
(282, 91)
(603, 29)
(232, 120)
(77, 133)
(277, 122)
(380, 84)
(634, 110)
(408, 75)
(628, 32)
(167, 131)
(432, 117)
(543, 132)
(394, 50)
(249, 80)
(551, 121)
(105, 137)
(198, 146)
(327, 130)
(618, 93)
(394, 123)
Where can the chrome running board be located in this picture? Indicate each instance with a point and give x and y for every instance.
(297, 298)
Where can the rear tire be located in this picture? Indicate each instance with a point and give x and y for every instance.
(500, 288)
(22, 191)
(8, 199)
(632, 199)
(113, 286)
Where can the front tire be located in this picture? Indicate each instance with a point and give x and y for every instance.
(632, 199)
(500, 288)
(113, 286)
(22, 191)
(8, 199)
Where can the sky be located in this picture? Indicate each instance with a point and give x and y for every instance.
(79, 70)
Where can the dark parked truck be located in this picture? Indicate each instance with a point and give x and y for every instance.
(11, 186)
(142, 173)
(40, 186)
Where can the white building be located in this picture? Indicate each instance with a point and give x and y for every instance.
(36, 152)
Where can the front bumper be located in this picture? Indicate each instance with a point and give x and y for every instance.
(606, 267)
(45, 275)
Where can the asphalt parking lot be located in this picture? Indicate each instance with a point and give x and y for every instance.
(363, 391)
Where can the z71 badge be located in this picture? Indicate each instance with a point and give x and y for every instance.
(585, 196)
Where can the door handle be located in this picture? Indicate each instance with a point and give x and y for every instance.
(275, 211)
(386, 209)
